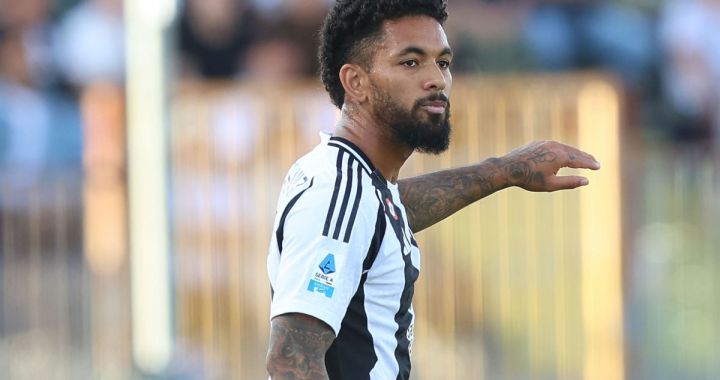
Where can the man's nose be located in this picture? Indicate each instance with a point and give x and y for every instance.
(436, 80)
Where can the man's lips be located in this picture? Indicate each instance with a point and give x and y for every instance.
(436, 106)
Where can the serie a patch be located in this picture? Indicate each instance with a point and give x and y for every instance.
(323, 281)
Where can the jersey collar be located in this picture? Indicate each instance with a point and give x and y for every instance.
(353, 149)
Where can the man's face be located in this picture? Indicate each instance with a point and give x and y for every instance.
(411, 81)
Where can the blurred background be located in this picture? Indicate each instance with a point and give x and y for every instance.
(143, 144)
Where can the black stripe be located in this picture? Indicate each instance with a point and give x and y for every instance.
(352, 355)
(281, 225)
(346, 198)
(403, 317)
(355, 149)
(338, 181)
(356, 205)
(380, 227)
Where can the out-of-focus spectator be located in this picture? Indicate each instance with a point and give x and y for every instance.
(24, 114)
(565, 35)
(39, 125)
(690, 32)
(486, 35)
(273, 58)
(22, 15)
(287, 45)
(31, 20)
(38, 129)
(90, 43)
(258, 41)
(214, 36)
(300, 21)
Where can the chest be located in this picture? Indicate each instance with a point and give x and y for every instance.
(398, 260)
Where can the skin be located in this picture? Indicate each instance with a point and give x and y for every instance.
(412, 62)
(298, 344)
(433, 197)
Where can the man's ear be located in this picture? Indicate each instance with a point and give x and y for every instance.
(355, 82)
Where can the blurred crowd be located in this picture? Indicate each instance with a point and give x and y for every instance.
(665, 53)
(254, 39)
(50, 53)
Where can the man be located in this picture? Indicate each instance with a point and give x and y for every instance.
(343, 259)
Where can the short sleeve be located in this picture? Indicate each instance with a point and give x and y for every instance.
(326, 237)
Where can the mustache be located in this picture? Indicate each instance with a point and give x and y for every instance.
(434, 97)
(439, 96)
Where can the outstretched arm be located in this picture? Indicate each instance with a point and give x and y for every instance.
(298, 343)
(430, 198)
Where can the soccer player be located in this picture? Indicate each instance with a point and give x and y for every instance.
(343, 259)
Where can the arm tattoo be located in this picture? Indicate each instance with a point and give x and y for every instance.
(298, 344)
(433, 197)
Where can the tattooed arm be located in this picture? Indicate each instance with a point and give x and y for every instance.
(298, 343)
(433, 197)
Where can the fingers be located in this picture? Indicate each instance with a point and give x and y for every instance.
(565, 182)
(578, 159)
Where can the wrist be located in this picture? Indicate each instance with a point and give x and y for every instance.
(500, 177)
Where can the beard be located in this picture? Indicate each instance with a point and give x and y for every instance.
(429, 133)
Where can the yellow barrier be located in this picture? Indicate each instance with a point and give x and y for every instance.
(519, 285)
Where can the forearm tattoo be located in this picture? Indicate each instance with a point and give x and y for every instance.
(297, 348)
(433, 197)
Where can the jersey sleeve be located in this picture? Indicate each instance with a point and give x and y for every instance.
(326, 235)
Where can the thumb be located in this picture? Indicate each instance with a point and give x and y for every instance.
(566, 182)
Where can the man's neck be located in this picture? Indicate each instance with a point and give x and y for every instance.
(375, 140)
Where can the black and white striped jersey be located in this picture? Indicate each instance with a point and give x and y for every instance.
(342, 251)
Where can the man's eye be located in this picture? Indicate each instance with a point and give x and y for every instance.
(410, 63)
(444, 64)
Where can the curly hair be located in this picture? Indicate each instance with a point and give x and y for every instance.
(353, 27)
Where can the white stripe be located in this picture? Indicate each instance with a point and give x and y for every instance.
(384, 304)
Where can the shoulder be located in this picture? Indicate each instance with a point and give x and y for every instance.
(330, 194)
(334, 173)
